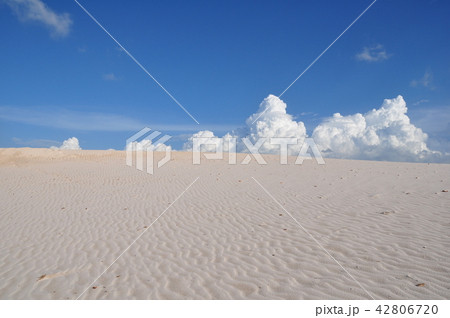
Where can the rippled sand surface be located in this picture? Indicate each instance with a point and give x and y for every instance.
(66, 216)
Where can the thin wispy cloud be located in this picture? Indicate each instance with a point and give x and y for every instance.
(310, 114)
(426, 81)
(68, 144)
(422, 101)
(110, 77)
(36, 11)
(92, 121)
(37, 143)
(68, 119)
(376, 53)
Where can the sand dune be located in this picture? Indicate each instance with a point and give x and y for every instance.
(67, 215)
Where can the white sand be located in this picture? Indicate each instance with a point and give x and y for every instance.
(68, 214)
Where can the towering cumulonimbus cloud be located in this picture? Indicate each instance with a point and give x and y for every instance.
(385, 133)
(272, 120)
(380, 134)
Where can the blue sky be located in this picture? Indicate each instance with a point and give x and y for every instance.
(63, 76)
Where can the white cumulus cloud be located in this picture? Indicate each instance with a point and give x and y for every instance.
(272, 121)
(207, 138)
(37, 11)
(209, 142)
(69, 144)
(374, 53)
(425, 81)
(385, 133)
(110, 77)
